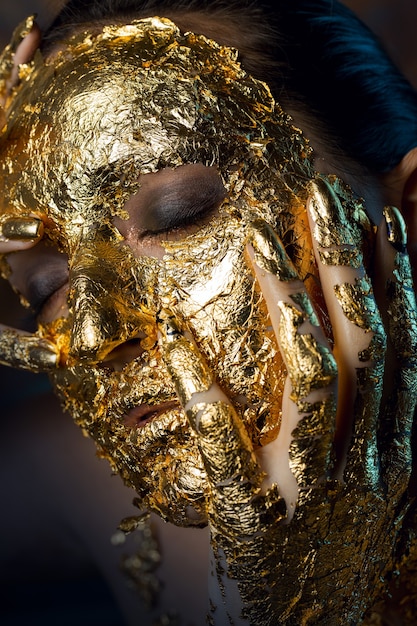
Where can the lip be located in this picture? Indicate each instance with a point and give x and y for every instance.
(145, 413)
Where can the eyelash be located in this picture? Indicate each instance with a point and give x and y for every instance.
(185, 227)
(182, 219)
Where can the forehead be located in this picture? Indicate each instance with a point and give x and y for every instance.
(131, 100)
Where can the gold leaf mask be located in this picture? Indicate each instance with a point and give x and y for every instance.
(83, 129)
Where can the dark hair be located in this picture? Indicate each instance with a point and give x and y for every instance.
(316, 55)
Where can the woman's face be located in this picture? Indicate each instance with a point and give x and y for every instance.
(148, 154)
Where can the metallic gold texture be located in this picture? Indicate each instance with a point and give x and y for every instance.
(27, 352)
(82, 128)
(402, 322)
(396, 228)
(269, 252)
(188, 372)
(7, 56)
(308, 362)
(140, 567)
(100, 114)
(21, 228)
(342, 228)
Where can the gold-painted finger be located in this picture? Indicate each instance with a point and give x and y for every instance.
(7, 56)
(359, 335)
(338, 238)
(232, 470)
(311, 367)
(189, 372)
(397, 421)
(269, 253)
(25, 351)
(302, 343)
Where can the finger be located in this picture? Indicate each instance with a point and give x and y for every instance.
(25, 351)
(302, 449)
(233, 474)
(25, 41)
(395, 275)
(19, 233)
(359, 335)
(198, 393)
(26, 49)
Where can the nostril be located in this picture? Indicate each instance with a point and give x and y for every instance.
(124, 353)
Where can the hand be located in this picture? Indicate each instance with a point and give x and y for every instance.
(17, 348)
(316, 545)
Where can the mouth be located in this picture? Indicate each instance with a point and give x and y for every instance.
(145, 413)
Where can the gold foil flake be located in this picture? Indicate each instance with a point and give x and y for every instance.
(135, 522)
(140, 567)
(358, 303)
(226, 454)
(352, 258)
(20, 228)
(359, 306)
(331, 228)
(396, 228)
(302, 300)
(311, 456)
(341, 225)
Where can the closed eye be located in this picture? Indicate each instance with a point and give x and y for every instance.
(172, 199)
(39, 274)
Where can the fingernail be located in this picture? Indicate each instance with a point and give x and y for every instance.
(396, 228)
(269, 253)
(339, 224)
(331, 227)
(21, 228)
(43, 358)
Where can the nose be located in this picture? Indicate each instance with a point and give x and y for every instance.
(94, 324)
(97, 324)
(100, 315)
